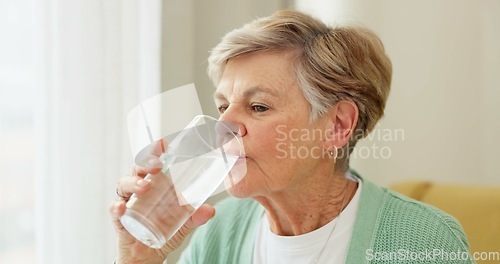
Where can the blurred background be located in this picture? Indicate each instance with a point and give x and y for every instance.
(71, 70)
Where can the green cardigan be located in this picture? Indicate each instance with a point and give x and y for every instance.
(389, 228)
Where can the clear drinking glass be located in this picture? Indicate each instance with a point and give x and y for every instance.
(195, 162)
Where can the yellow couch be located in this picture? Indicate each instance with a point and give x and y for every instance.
(477, 209)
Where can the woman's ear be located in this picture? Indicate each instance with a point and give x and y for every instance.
(342, 120)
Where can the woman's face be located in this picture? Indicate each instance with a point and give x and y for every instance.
(260, 93)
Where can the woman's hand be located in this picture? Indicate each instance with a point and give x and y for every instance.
(130, 250)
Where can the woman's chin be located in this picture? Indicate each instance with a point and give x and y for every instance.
(238, 189)
(236, 183)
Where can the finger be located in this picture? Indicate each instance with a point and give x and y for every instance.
(149, 156)
(132, 184)
(153, 166)
(116, 210)
(159, 147)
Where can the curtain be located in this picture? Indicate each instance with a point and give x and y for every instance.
(98, 59)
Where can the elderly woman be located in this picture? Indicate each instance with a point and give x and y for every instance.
(282, 79)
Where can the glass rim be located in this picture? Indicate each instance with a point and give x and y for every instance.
(235, 136)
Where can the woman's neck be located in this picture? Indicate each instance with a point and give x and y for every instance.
(300, 210)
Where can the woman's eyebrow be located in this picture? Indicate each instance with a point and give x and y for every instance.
(219, 96)
(249, 92)
(258, 89)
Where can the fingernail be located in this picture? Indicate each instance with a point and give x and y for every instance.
(142, 182)
(154, 162)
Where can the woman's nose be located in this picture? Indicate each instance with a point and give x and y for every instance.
(226, 129)
(233, 123)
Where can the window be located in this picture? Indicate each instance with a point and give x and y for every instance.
(17, 137)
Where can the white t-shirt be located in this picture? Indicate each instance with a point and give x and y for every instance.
(273, 249)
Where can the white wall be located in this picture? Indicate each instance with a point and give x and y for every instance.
(445, 93)
(192, 28)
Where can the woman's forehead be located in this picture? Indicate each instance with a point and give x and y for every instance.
(254, 74)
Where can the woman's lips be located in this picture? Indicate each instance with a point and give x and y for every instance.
(241, 159)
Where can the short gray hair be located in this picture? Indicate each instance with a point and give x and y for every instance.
(331, 63)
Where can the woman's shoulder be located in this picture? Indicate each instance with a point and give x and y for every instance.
(405, 223)
(405, 213)
(407, 210)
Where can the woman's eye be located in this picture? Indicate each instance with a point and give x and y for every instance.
(222, 109)
(260, 108)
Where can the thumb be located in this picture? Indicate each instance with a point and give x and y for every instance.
(200, 217)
